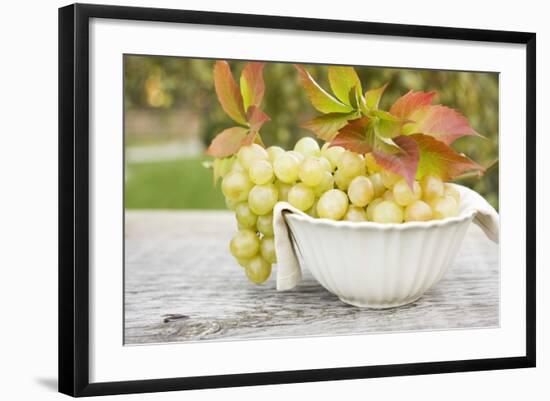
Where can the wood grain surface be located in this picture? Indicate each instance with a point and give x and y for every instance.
(181, 284)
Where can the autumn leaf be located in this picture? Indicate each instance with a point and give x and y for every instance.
(228, 92)
(252, 84)
(441, 122)
(410, 102)
(342, 81)
(438, 158)
(388, 125)
(386, 145)
(228, 142)
(355, 136)
(373, 96)
(403, 162)
(319, 98)
(256, 118)
(326, 126)
(352, 141)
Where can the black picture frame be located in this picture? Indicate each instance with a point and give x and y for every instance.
(74, 194)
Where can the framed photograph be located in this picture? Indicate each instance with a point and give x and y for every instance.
(250, 199)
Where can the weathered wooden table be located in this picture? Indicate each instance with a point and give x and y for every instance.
(181, 284)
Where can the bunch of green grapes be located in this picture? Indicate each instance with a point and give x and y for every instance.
(389, 199)
(328, 182)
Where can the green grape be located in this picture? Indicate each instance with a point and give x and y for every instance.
(260, 172)
(238, 167)
(389, 179)
(444, 207)
(284, 189)
(360, 191)
(267, 249)
(231, 204)
(388, 195)
(264, 224)
(245, 244)
(311, 171)
(326, 164)
(258, 270)
(450, 190)
(326, 183)
(388, 212)
(274, 152)
(286, 167)
(332, 154)
(244, 215)
(372, 166)
(377, 184)
(333, 204)
(371, 207)
(301, 196)
(297, 155)
(250, 153)
(242, 262)
(355, 213)
(432, 187)
(312, 211)
(403, 194)
(351, 164)
(262, 199)
(418, 211)
(307, 146)
(342, 181)
(236, 186)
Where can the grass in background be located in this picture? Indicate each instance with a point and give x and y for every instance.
(173, 184)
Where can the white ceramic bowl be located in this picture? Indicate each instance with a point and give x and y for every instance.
(375, 265)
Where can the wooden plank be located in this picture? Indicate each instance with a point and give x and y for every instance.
(181, 284)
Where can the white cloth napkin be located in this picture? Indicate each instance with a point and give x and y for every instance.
(289, 272)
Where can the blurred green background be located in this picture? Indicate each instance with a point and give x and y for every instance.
(172, 113)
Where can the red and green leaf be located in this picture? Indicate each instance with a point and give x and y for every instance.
(386, 145)
(403, 162)
(355, 136)
(252, 84)
(319, 98)
(235, 101)
(438, 158)
(441, 122)
(410, 102)
(327, 126)
(373, 96)
(388, 125)
(228, 142)
(228, 92)
(342, 80)
(256, 118)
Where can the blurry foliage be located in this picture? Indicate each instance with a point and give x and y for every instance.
(179, 83)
